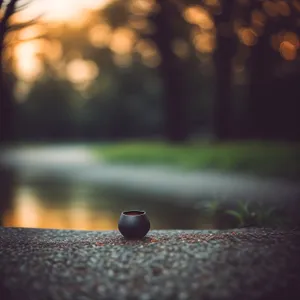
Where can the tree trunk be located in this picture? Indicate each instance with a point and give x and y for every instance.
(6, 102)
(265, 105)
(222, 114)
(259, 80)
(171, 68)
(6, 107)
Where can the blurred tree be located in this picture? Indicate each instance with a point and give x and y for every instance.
(269, 32)
(47, 113)
(226, 43)
(168, 25)
(141, 50)
(8, 9)
(273, 68)
(129, 106)
(213, 23)
(172, 69)
(6, 103)
(261, 70)
(119, 16)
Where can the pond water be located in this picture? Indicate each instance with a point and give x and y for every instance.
(53, 203)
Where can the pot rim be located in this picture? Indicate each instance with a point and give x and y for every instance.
(138, 213)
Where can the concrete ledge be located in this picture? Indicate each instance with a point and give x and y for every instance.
(63, 264)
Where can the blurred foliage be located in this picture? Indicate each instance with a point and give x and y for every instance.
(48, 112)
(258, 215)
(109, 61)
(246, 214)
(213, 208)
(261, 158)
(250, 214)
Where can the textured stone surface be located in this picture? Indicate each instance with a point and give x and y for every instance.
(236, 264)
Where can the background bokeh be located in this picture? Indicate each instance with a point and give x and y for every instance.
(97, 94)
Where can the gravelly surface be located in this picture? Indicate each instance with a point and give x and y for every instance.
(63, 264)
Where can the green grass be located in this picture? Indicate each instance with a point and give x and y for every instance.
(261, 158)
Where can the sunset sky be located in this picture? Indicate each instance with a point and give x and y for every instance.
(60, 10)
(27, 64)
(122, 41)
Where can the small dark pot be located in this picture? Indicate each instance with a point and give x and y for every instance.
(134, 224)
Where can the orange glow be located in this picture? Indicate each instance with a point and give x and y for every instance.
(247, 36)
(149, 53)
(258, 19)
(145, 47)
(142, 7)
(80, 71)
(53, 50)
(8, 55)
(79, 216)
(100, 35)
(152, 61)
(104, 221)
(204, 42)
(278, 39)
(292, 38)
(29, 70)
(31, 32)
(138, 23)
(81, 20)
(199, 16)
(195, 31)
(27, 65)
(122, 60)
(58, 10)
(29, 211)
(142, 24)
(73, 54)
(122, 40)
(27, 49)
(288, 51)
(57, 221)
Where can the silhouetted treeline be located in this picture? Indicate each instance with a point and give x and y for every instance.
(242, 85)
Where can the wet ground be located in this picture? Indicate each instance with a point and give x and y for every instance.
(77, 164)
(65, 187)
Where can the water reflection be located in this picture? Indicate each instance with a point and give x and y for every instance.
(6, 191)
(28, 210)
(46, 203)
